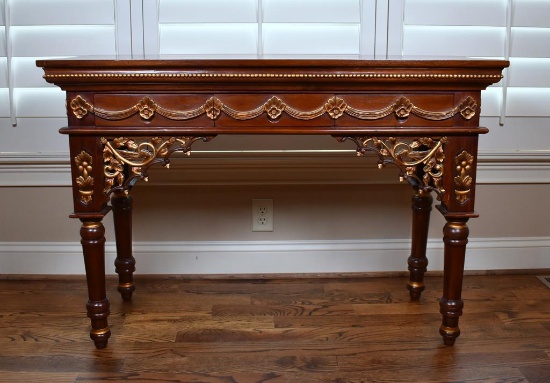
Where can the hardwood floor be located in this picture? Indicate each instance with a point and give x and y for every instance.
(280, 330)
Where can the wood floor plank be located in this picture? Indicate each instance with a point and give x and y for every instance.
(282, 310)
(42, 377)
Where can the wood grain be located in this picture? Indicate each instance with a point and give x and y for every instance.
(292, 330)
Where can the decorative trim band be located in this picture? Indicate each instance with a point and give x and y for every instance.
(277, 75)
(335, 107)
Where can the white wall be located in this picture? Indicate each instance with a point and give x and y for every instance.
(333, 213)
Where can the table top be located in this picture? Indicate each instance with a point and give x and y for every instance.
(239, 72)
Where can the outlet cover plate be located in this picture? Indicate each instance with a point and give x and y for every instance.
(262, 215)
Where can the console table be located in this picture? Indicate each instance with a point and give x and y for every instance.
(126, 115)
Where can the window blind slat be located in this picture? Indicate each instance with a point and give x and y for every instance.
(453, 41)
(531, 42)
(234, 38)
(529, 72)
(311, 39)
(491, 101)
(3, 41)
(62, 40)
(3, 72)
(4, 102)
(526, 101)
(61, 12)
(459, 13)
(531, 13)
(26, 74)
(207, 11)
(39, 102)
(315, 11)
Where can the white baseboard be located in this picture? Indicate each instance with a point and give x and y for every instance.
(261, 257)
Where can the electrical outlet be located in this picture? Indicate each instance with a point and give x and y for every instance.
(262, 215)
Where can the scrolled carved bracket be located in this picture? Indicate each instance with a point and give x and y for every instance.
(420, 160)
(127, 160)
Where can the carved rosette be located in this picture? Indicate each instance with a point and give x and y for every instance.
(127, 160)
(463, 180)
(425, 154)
(84, 181)
(335, 107)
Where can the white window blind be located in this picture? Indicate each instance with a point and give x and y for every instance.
(201, 27)
(53, 28)
(311, 27)
(479, 28)
(259, 27)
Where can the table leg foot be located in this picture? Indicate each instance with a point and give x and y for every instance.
(451, 310)
(98, 311)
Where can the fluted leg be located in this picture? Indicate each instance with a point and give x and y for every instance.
(92, 235)
(124, 262)
(455, 238)
(421, 206)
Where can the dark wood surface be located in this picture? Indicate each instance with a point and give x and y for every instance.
(126, 115)
(293, 330)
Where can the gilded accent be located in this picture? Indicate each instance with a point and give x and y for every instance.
(80, 107)
(335, 107)
(463, 180)
(408, 156)
(85, 181)
(277, 75)
(91, 224)
(416, 285)
(100, 331)
(126, 160)
(449, 330)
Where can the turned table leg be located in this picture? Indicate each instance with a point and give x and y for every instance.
(421, 206)
(124, 262)
(92, 235)
(455, 238)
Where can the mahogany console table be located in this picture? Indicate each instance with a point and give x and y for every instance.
(126, 115)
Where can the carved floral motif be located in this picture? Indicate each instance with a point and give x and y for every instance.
(85, 181)
(274, 107)
(463, 181)
(80, 107)
(335, 107)
(146, 108)
(403, 107)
